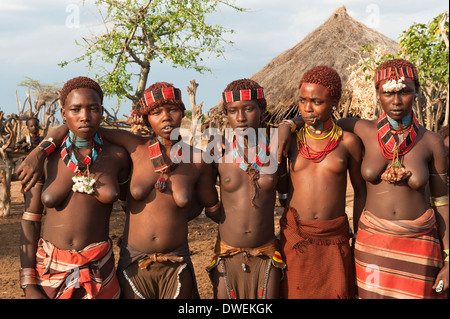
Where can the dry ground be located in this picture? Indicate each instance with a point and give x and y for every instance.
(202, 235)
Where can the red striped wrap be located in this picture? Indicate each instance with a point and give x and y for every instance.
(86, 274)
(397, 258)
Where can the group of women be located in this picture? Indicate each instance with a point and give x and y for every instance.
(397, 169)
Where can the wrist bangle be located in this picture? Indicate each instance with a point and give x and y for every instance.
(27, 277)
(439, 201)
(282, 175)
(283, 195)
(47, 146)
(33, 217)
(291, 124)
(445, 254)
(213, 208)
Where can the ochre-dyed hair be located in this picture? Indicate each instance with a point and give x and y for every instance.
(397, 63)
(146, 110)
(78, 83)
(326, 77)
(244, 84)
(443, 131)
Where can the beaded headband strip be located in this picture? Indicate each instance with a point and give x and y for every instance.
(243, 95)
(160, 94)
(390, 72)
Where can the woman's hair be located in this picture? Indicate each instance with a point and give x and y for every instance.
(78, 83)
(327, 77)
(443, 131)
(244, 84)
(149, 101)
(398, 68)
(32, 119)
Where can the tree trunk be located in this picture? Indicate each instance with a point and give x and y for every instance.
(141, 86)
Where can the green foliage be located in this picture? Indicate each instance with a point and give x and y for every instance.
(139, 32)
(188, 114)
(423, 45)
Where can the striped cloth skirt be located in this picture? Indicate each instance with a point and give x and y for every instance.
(89, 273)
(397, 258)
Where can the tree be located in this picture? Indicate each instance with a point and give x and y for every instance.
(139, 32)
(425, 45)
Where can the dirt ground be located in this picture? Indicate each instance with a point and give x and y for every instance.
(202, 235)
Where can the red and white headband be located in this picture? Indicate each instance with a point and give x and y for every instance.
(161, 94)
(394, 72)
(243, 95)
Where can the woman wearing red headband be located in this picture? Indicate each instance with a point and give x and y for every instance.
(154, 258)
(403, 238)
(246, 262)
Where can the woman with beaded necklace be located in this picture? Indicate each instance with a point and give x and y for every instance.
(163, 196)
(314, 227)
(74, 257)
(402, 241)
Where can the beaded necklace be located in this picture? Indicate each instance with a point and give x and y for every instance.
(159, 165)
(253, 168)
(316, 156)
(83, 182)
(392, 148)
(322, 127)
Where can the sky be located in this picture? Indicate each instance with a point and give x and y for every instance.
(37, 35)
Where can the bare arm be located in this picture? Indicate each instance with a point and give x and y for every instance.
(285, 136)
(439, 189)
(207, 192)
(283, 182)
(32, 166)
(358, 183)
(122, 138)
(29, 236)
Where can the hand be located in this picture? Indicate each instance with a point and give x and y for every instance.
(31, 168)
(442, 275)
(284, 141)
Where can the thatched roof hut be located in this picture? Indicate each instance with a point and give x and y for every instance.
(336, 43)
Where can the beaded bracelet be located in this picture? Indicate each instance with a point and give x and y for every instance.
(291, 124)
(47, 146)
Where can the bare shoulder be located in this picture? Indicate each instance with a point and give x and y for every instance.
(433, 139)
(117, 151)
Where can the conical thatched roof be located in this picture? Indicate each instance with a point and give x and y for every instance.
(336, 43)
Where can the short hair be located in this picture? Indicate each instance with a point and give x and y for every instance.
(397, 64)
(443, 131)
(78, 83)
(244, 84)
(327, 77)
(31, 118)
(146, 109)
